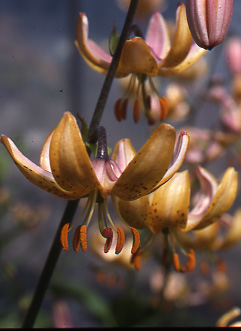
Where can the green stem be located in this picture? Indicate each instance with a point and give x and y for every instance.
(71, 206)
(49, 266)
(100, 106)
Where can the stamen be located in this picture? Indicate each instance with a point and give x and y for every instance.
(120, 240)
(136, 113)
(108, 234)
(136, 240)
(163, 108)
(176, 262)
(117, 109)
(76, 239)
(136, 260)
(64, 237)
(83, 237)
(190, 265)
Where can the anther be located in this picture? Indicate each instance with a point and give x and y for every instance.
(136, 260)
(136, 113)
(108, 234)
(117, 109)
(163, 108)
(176, 262)
(76, 239)
(190, 264)
(136, 240)
(120, 240)
(64, 237)
(83, 237)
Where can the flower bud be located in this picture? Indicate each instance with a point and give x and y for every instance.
(209, 21)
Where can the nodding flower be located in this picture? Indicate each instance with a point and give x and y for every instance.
(67, 171)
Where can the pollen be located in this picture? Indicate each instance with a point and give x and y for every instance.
(83, 237)
(108, 234)
(136, 260)
(120, 240)
(64, 237)
(136, 241)
(190, 265)
(176, 262)
(163, 108)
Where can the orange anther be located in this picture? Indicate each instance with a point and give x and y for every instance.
(136, 113)
(190, 265)
(108, 234)
(176, 262)
(221, 266)
(124, 108)
(64, 237)
(76, 239)
(83, 237)
(136, 241)
(120, 240)
(136, 260)
(164, 108)
(117, 109)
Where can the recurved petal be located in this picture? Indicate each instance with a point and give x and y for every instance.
(169, 205)
(90, 51)
(233, 234)
(193, 56)
(35, 174)
(182, 40)
(134, 213)
(69, 160)
(177, 159)
(149, 165)
(136, 58)
(44, 155)
(215, 199)
(157, 36)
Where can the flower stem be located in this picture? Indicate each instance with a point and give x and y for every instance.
(49, 267)
(100, 105)
(71, 206)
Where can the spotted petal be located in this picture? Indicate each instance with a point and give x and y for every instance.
(148, 166)
(35, 174)
(169, 205)
(69, 160)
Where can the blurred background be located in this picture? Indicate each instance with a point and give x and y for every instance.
(42, 75)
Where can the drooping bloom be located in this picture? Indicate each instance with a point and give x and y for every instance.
(209, 21)
(143, 58)
(66, 170)
(168, 208)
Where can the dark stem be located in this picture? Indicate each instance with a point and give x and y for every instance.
(49, 267)
(71, 206)
(100, 106)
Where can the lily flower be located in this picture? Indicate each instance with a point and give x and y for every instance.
(66, 171)
(209, 21)
(168, 208)
(154, 55)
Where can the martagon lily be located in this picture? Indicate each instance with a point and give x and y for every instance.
(143, 58)
(66, 171)
(167, 210)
